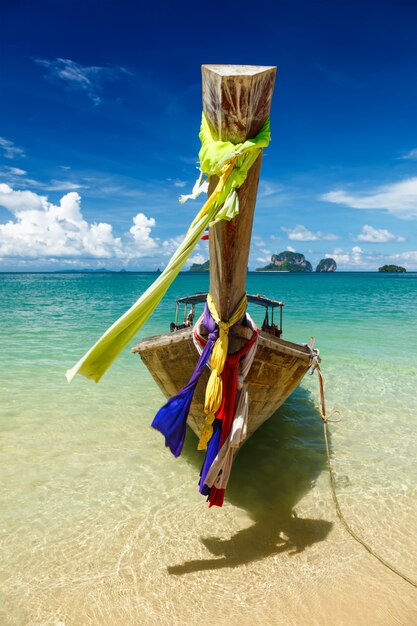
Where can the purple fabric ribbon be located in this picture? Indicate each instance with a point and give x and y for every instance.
(212, 451)
(171, 419)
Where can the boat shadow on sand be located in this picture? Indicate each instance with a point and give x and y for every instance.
(272, 472)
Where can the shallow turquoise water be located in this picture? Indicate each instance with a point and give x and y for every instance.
(100, 525)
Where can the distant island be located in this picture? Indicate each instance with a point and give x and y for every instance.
(287, 262)
(296, 262)
(200, 267)
(103, 270)
(326, 265)
(397, 269)
(87, 270)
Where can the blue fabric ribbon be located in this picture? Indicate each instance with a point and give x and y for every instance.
(212, 451)
(171, 419)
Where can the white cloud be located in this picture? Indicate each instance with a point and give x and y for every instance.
(16, 201)
(17, 176)
(258, 241)
(77, 77)
(354, 257)
(41, 229)
(63, 185)
(409, 257)
(356, 254)
(15, 171)
(10, 150)
(197, 258)
(300, 233)
(400, 199)
(117, 190)
(268, 188)
(259, 247)
(290, 249)
(369, 234)
(177, 182)
(340, 257)
(411, 154)
(141, 233)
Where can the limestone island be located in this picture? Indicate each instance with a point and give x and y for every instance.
(284, 262)
(392, 269)
(287, 262)
(326, 265)
(200, 267)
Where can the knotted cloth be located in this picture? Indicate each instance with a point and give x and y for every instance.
(221, 158)
(214, 389)
(172, 417)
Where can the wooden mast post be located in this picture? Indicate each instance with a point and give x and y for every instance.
(237, 102)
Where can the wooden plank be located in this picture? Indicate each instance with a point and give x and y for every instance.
(237, 102)
(276, 371)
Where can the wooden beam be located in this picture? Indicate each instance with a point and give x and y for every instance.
(237, 102)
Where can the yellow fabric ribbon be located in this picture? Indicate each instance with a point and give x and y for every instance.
(214, 389)
(99, 358)
(231, 163)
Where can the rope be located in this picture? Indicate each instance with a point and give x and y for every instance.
(339, 511)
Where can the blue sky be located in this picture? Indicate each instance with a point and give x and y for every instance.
(99, 119)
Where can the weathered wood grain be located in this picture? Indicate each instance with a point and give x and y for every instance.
(237, 101)
(276, 371)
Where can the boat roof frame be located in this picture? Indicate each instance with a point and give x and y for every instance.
(252, 299)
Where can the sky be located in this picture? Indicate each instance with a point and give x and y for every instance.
(100, 110)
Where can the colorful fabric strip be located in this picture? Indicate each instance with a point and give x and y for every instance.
(214, 389)
(220, 470)
(171, 419)
(229, 425)
(231, 163)
(224, 420)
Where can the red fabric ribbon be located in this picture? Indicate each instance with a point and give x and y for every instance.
(227, 408)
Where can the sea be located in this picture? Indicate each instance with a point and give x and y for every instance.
(100, 525)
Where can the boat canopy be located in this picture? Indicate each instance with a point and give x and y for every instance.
(199, 298)
(252, 299)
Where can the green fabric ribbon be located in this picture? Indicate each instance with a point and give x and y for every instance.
(221, 158)
(214, 155)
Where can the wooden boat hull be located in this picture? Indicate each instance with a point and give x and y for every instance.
(277, 369)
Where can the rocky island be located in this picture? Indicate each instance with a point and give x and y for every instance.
(200, 267)
(287, 262)
(397, 269)
(326, 265)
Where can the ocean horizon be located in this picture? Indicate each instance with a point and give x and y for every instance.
(203, 272)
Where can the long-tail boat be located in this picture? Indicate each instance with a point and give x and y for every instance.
(236, 103)
(252, 371)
